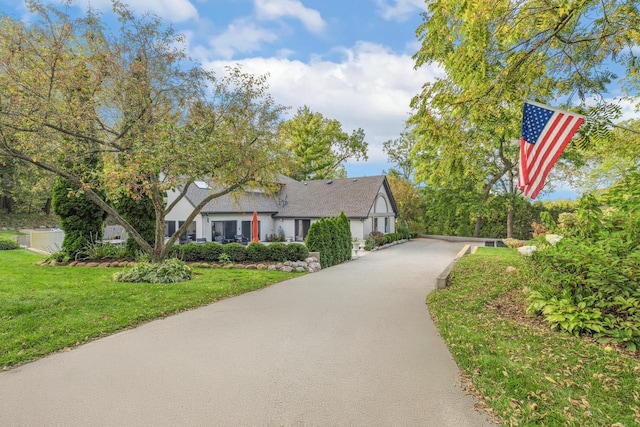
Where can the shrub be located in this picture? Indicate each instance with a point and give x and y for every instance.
(297, 252)
(237, 252)
(332, 238)
(257, 252)
(592, 274)
(374, 239)
(277, 251)
(80, 218)
(190, 252)
(169, 271)
(8, 244)
(99, 250)
(210, 251)
(513, 243)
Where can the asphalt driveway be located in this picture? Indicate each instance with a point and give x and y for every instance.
(352, 345)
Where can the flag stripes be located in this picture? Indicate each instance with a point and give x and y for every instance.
(546, 132)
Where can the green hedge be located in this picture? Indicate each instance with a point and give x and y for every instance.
(237, 252)
(277, 251)
(254, 252)
(332, 238)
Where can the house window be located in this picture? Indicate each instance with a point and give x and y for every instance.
(169, 228)
(302, 229)
(386, 224)
(246, 230)
(189, 234)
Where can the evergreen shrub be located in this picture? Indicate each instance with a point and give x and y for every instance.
(297, 252)
(332, 238)
(237, 252)
(277, 251)
(257, 252)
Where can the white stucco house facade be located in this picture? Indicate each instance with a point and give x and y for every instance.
(366, 201)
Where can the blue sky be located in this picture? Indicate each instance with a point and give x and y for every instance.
(349, 60)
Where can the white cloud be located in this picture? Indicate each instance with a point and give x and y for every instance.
(370, 89)
(400, 10)
(172, 10)
(242, 36)
(276, 9)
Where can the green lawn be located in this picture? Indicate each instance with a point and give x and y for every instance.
(525, 373)
(45, 309)
(9, 233)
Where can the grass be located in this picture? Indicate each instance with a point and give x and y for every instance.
(9, 233)
(47, 309)
(525, 373)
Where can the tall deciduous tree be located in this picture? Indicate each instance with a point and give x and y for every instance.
(153, 133)
(318, 146)
(411, 205)
(497, 53)
(399, 152)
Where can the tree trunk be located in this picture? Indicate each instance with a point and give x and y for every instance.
(46, 209)
(510, 216)
(6, 202)
(476, 231)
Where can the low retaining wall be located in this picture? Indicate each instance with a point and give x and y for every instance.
(443, 279)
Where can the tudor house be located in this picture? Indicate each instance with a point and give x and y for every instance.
(366, 201)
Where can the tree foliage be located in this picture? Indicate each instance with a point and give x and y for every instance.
(399, 152)
(494, 55)
(318, 147)
(156, 122)
(411, 206)
(80, 219)
(332, 238)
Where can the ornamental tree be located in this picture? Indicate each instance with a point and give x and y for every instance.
(155, 121)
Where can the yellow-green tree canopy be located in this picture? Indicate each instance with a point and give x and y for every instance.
(318, 147)
(72, 89)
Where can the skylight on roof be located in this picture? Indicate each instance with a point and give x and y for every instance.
(201, 184)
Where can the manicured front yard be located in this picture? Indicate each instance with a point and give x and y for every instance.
(45, 309)
(525, 373)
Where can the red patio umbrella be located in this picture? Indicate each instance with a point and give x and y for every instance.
(254, 228)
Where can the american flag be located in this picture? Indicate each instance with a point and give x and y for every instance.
(546, 131)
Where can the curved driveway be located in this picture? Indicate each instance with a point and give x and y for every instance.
(352, 345)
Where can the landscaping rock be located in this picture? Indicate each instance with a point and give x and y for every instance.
(300, 269)
(272, 267)
(91, 264)
(288, 263)
(263, 267)
(287, 269)
(251, 267)
(228, 265)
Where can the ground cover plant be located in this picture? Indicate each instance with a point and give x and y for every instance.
(47, 309)
(592, 274)
(522, 370)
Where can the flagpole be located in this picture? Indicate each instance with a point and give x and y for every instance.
(624, 128)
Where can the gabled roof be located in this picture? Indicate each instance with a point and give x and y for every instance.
(245, 202)
(326, 198)
(310, 199)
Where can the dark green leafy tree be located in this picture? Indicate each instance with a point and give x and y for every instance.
(80, 219)
(318, 147)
